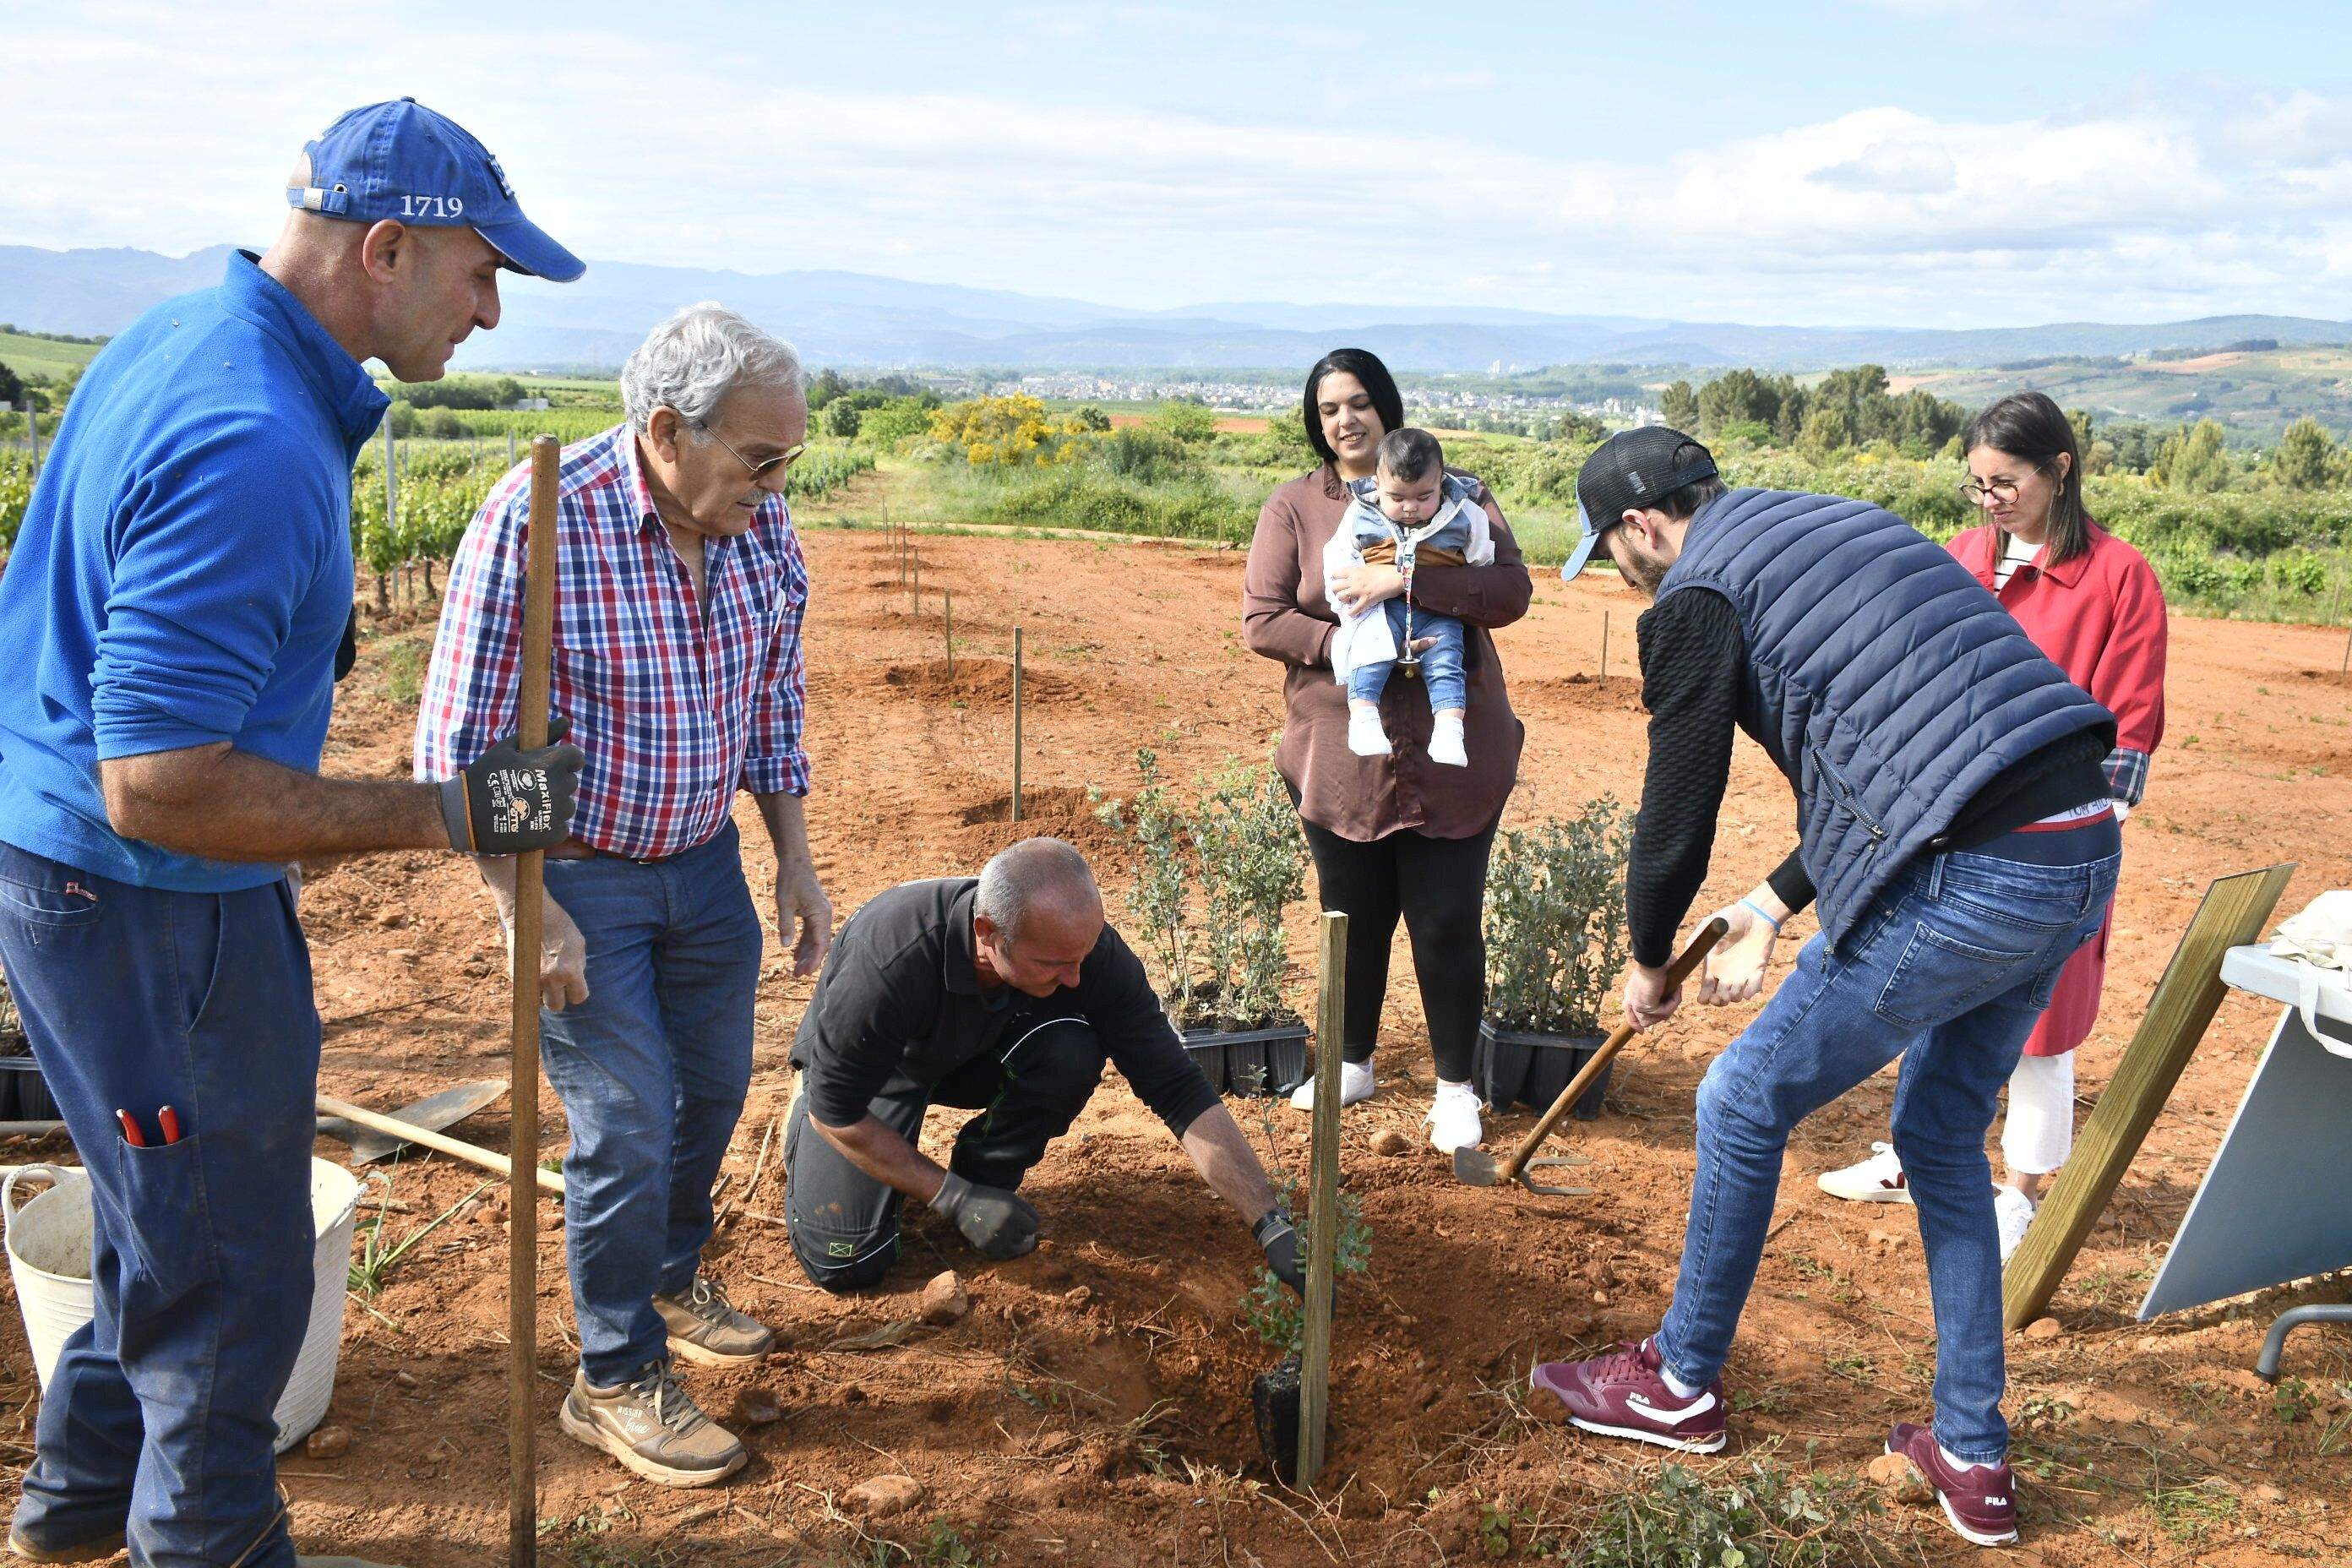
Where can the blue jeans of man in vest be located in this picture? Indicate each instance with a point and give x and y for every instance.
(158, 1420)
(651, 1070)
(1948, 973)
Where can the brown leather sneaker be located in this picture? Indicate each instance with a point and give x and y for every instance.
(653, 1428)
(703, 1328)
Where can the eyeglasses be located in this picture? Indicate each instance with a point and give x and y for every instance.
(2001, 492)
(760, 471)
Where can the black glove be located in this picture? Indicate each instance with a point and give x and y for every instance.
(508, 800)
(1278, 1238)
(997, 1223)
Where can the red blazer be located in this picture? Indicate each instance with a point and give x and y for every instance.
(2100, 617)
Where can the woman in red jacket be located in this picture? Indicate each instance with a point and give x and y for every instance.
(2091, 603)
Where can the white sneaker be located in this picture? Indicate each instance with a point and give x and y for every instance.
(1453, 1118)
(1355, 1087)
(2012, 1211)
(1445, 741)
(1877, 1180)
(1365, 736)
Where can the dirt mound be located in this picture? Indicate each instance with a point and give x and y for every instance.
(978, 682)
(2327, 676)
(1051, 811)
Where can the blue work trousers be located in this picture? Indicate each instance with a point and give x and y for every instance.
(651, 1070)
(158, 1422)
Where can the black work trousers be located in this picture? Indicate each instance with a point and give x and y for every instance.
(843, 1225)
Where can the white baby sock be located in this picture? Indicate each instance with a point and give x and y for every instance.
(1365, 736)
(1445, 741)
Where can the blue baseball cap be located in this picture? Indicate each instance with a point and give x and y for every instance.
(402, 160)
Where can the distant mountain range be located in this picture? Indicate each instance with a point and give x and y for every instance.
(855, 320)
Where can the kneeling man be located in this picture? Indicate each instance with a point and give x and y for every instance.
(1004, 995)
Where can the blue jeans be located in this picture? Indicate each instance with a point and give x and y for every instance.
(158, 1421)
(651, 1070)
(1948, 973)
(1440, 664)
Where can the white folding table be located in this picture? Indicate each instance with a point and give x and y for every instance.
(2277, 1205)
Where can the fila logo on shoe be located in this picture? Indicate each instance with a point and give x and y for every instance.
(1700, 1406)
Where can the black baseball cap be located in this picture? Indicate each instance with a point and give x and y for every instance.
(1631, 469)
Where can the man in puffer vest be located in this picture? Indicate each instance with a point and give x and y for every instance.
(1953, 831)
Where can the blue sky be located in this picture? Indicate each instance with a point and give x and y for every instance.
(1852, 162)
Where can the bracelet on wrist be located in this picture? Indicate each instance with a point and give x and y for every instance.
(1761, 915)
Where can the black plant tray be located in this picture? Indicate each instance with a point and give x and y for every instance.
(1515, 1067)
(1275, 1060)
(23, 1092)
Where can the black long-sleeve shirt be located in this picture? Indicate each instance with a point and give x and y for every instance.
(900, 999)
(1694, 665)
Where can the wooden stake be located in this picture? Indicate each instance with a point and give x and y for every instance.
(1323, 1200)
(1604, 648)
(1016, 724)
(2235, 912)
(947, 627)
(523, 1188)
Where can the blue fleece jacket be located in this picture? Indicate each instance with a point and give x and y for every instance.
(184, 572)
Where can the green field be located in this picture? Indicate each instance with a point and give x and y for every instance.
(43, 357)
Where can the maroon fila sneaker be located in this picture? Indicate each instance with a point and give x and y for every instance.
(1624, 1395)
(1979, 1500)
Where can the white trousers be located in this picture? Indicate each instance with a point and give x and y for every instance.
(2040, 1130)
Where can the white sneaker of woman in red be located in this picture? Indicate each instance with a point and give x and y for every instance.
(1877, 1180)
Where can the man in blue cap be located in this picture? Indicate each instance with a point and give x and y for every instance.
(176, 598)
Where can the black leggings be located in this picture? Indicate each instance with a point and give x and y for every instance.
(1439, 885)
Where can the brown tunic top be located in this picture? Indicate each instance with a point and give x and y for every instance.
(1285, 616)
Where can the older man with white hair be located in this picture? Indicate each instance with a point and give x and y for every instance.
(679, 592)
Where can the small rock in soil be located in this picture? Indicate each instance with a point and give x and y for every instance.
(757, 1408)
(404, 1378)
(2268, 1493)
(2044, 1328)
(886, 1496)
(1388, 1141)
(944, 1300)
(1078, 1296)
(327, 1443)
(1900, 1480)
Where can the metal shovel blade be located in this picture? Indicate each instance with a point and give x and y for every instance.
(434, 1112)
(1476, 1167)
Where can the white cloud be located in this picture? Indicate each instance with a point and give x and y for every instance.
(170, 130)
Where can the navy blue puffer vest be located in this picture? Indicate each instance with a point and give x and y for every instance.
(1886, 683)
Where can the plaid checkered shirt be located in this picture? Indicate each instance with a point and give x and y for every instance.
(676, 707)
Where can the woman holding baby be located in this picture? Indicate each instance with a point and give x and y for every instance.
(1393, 833)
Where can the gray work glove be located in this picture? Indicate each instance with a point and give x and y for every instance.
(998, 1224)
(508, 800)
(1278, 1239)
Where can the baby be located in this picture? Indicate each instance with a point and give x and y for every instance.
(1411, 513)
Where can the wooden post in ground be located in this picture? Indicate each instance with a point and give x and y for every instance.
(1323, 1200)
(2234, 912)
(1604, 648)
(1016, 724)
(522, 1152)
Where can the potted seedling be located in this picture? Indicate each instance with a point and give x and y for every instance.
(1280, 1318)
(1555, 943)
(1213, 878)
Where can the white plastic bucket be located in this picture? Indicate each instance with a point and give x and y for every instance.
(49, 1245)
